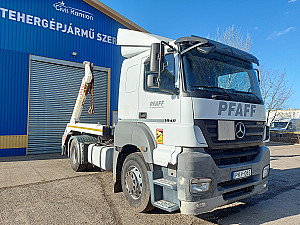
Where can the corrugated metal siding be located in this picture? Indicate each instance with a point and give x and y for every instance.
(46, 42)
(54, 86)
(12, 152)
(13, 141)
(14, 71)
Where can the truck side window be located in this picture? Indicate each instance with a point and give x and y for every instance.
(167, 75)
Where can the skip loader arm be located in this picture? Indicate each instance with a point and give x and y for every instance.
(83, 92)
(85, 87)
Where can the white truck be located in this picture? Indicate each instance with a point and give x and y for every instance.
(191, 125)
(285, 125)
(285, 130)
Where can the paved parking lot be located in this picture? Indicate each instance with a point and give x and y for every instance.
(43, 189)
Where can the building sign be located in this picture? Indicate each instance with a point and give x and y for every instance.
(57, 26)
(60, 6)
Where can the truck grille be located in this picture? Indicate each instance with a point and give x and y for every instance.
(253, 136)
(232, 183)
(237, 193)
(223, 157)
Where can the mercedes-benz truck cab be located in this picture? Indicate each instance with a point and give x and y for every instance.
(191, 124)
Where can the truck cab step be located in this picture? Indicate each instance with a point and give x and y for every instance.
(165, 205)
(166, 183)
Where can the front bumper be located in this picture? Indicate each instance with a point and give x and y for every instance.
(223, 190)
(206, 205)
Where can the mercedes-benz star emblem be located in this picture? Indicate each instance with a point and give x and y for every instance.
(240, 130)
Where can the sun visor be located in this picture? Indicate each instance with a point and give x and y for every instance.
(135, 42)
(221, 48)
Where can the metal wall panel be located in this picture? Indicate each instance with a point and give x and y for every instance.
(14, 71)
(12, 152)
(54, 86)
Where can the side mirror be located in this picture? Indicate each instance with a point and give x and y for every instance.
(157, 54)
(152, 81)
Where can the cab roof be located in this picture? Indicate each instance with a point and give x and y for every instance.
(221, 48)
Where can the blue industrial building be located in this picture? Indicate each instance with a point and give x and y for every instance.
(42, 47)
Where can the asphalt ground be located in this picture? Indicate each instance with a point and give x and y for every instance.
(43, 189)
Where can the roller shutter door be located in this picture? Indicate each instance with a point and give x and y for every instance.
(54, 86)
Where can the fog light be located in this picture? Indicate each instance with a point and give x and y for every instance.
(265, 185)
(265, 171)
(199, 185)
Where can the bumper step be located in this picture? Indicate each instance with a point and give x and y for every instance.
(165, 205)
(166, 183)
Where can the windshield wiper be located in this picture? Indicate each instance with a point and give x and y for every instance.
(212, 87)
(251, 93)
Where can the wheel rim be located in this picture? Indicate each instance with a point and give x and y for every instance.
(73, 156)
(133, 182)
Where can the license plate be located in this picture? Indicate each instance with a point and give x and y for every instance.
(241, 174)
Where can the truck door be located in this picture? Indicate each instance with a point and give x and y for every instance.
(158, 109)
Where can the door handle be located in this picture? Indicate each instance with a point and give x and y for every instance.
(142, 115)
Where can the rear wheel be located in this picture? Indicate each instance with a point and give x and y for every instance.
(75, 157)
(135, 184)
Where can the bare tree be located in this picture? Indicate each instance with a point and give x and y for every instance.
(234, 37)
(276, 91)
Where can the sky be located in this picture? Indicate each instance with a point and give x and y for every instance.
(273, 26)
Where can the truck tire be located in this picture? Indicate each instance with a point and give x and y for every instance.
(75, 157)
(135, 184)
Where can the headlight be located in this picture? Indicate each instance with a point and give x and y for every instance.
(199, 185)
(265, 171)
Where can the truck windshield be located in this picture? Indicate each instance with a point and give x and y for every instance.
(220, 76)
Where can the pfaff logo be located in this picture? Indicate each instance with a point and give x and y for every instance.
(157, 104)
(60, 6)
(236, 109)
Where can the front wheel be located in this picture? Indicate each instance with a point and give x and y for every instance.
(135, 184)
